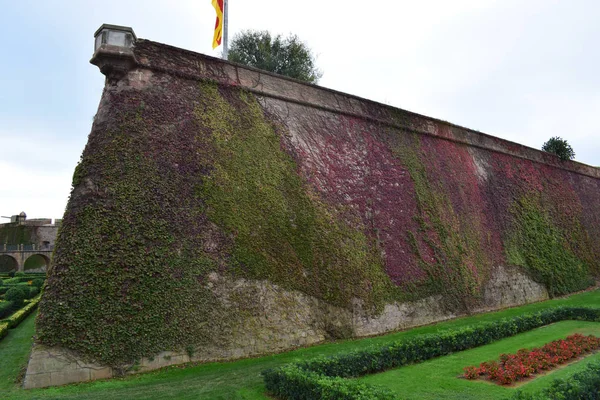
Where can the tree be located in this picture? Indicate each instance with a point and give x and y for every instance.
(560, 147)
(285, 56)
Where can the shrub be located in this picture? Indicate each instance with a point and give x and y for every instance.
(28, 291)
(11, 274)
(16, 296)
(6, 308)
(38, 283)
(19, 274)
(1, 282)
(32, 292)
(24, 289)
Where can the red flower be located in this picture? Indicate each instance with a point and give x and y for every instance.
(514, 367)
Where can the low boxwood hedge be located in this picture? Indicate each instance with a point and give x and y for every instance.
(32, 292)
(584, 385)
(282, 381)
(3, 329)
(15, 319)
(38, 282)
(30, 278)
(293, 382)
(16, 296)
(6, 307)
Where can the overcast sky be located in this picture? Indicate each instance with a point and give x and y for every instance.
(522, 70)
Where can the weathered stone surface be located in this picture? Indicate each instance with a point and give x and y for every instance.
(57, 366)
(509, 287)
(401, 316)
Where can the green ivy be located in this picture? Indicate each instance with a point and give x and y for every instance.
(538, 245)
(130, 276)
(15, 234)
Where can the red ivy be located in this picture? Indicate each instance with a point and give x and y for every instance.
(514, 367)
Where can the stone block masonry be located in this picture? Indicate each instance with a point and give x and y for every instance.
(222, 212)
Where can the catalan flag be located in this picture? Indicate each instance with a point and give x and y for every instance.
(218, 5)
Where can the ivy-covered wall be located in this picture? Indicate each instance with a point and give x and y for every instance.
(13, 234)
(196, 168)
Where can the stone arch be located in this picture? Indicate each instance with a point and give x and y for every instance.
(36, 263)
(8, 263)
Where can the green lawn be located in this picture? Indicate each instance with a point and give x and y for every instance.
(241, 379)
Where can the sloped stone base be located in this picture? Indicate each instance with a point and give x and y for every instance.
(284, 320)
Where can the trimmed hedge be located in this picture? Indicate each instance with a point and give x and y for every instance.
(16, 296)
(18, 317)
(3, 330)
(582, 385)
(29, 292)
(296, 383)
(283, 381)
(33, 291)
(38, 282)
(6, 307)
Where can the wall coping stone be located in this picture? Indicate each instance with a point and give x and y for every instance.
(187, 64)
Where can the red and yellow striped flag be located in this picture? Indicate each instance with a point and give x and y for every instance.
(218, 5)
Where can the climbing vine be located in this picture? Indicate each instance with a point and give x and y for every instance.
(450, 256)
(157, 208)
(282, 231)
(15, 234)
(182, 182)
(543, 249)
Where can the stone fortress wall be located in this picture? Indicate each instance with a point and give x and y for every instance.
(281, 214)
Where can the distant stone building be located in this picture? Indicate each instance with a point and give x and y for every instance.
(27, 244)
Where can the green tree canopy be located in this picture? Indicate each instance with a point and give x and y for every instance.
(560, 147)
(285, 56)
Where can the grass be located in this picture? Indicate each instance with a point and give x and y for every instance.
(241, 379)
(438, 378)
(14, 352)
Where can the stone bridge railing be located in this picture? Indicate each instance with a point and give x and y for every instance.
(24, 247)
(20, 253)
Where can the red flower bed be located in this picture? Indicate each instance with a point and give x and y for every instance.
(514, 367)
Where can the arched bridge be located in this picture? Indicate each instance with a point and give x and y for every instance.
(17, 256)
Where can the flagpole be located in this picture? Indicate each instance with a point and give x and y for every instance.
(225, 18)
